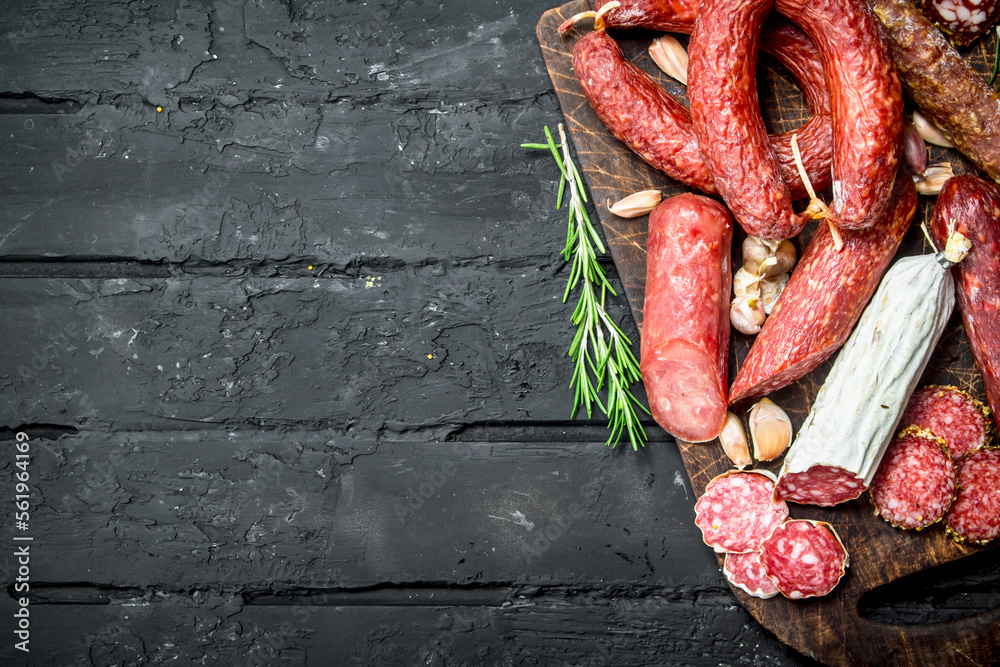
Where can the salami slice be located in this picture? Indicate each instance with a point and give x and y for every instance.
(951, 414)
(737, 511)
(746, 571)
(975, 515)
(915, 482)
(804, 558)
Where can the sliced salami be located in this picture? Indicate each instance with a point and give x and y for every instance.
(820, 485)
(737, 511)
(746, 571)
(951, 414)
(975, 515)
(915, 482)
(804, 558)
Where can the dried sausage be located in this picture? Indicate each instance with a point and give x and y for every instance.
(737, 511)
(971, 205)
(657, 127)
(725, 116)
(975, 515)
(684, 345)
(866, 103)
(951, 414)
(964, 21)
(746, 571)
(823, 299)
(804, 558)
(915, 482)
(945, 87)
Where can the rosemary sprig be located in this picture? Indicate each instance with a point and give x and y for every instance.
(601, 353)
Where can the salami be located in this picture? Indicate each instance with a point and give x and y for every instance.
(975, 515)
(946, 88)
(854, 415)
(684, 344)
(971, 205)
(866, 103)
(823, 299)
(657, 127)
(804, 558)
(964, 21)
(915, 482)
(725, 116)
(737, 511)
(951, 414)
(746, 571)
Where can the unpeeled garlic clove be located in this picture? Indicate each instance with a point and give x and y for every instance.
(746, 313)
(930, 132)
(636, 204)
(670, 56)
(933, 179)
(734, 441)
(914, 149)
(770, 430)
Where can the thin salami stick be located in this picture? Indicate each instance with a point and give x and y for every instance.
(866, 102)
(823, 299)
(657, 127)
(945, 87)
(725, 116)
(970, 205)
(685, 334)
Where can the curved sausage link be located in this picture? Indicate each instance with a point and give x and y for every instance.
(638, 111)
(971, 205)
(665, 15)
(866, 103)
(725, 115)
(657, 127)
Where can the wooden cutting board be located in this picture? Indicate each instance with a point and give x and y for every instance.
(830, 629)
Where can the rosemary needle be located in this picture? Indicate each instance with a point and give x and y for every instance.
(601, 353)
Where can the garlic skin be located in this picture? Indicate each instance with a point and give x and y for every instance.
(671, 57)
(770, 430)
(734, 441)
(636, 204)
(914, 149)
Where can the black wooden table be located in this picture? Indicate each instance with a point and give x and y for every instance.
(282, 326)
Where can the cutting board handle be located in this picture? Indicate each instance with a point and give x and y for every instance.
(951, 643)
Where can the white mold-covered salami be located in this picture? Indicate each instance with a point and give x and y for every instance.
(746, 571)
(804, 558)
(975, 515)
(737, 511)
(856, 411)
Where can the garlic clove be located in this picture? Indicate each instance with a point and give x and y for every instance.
(670, 56)
(746, 314)
(933, 179)
(770, 430)
(930, 132)
(734, 441)
(771, 289)
(914, 149)
(745, 283)
(636, 204)
(754, 252)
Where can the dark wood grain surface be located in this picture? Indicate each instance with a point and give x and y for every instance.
(280, 303)
(833, 629)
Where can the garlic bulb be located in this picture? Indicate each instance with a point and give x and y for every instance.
(770, 430)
